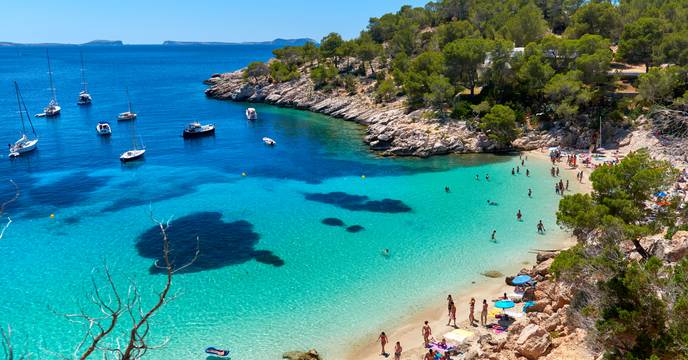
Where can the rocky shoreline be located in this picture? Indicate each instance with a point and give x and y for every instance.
(391, 130)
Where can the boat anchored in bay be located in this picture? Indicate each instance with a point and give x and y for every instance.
(103, 128)
(53, 109)
(195, 129)
(24, 144)
(137, 150)
(268, 141)
(127, 115)
(84, 96)
(251, 114)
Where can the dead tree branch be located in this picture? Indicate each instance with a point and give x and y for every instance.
(4, 205)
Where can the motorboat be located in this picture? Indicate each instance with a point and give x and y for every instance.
(103, 128)
(251, 114)
(53, 109)
(269, 141)
(127, 115)
(24, 144)
(84, 96)
(196, 129)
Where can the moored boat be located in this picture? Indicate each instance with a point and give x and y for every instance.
(103, 128)
(53, 109)
(251, 114)
(269, 141)
(127, 115)
(24, 144)
(84, 96)
(196, 129)
(136, 151)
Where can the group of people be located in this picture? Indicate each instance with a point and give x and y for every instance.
(559, 187)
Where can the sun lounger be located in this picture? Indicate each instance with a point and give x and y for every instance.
(458, 337)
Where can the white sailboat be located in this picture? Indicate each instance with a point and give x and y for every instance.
(53, 109)
(251, 114)
(136, 152)
(84, 96)
(24, 144)
(127, 115)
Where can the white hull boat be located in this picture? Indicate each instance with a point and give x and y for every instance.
(196, 129)
(24, 144)
(103, 129)
(84, 96)
(131, 155)
(251, 114)
(127, 115)
(269, 141)
(53, 109)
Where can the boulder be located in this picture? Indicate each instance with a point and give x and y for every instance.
(542, 268)
(533, 342)
(676, 248)
(539, 306)
(311, 354)
(545, 255)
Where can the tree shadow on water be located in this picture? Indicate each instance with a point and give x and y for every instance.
(221, 244)
(358, 202)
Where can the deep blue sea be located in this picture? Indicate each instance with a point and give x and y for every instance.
(290, 236)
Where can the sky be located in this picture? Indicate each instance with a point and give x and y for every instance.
(154, 21)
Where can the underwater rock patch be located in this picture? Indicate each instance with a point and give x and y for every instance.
(355, 228)
(221, 244)
(358, 202)
(332, 222)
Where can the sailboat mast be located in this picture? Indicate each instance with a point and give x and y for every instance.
(83, 74)
(50, 76)
(24, 110)
(128, 99)
(21, 113)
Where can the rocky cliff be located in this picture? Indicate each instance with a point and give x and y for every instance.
(391, 130)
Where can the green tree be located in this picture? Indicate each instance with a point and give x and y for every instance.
(526, 26)
(673, 49)
(594, 67)
(567, 94)
(599, 18)
(310, 53)
(281, 72)
(500, 125)
(256, 70)
(463, 59)
(323, 75)
(659, 84)
(416, 79)
(367, 50)
(500, 75)
(329, 46)
(456, 30)
(385, 91)
(638, 40)
(440, 93)
(290, 55)
(533, 74)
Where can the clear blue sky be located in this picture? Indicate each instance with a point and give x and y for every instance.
(153, 21)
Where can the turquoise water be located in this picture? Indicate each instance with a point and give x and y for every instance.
(272, 276)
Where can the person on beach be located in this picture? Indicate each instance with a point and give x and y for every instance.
(450, 303)
(551, 171)
(430, 355)
(494, 235)
(518, 169)
(471, 314)
(452, 315)
(519, 215)
(557, 171)
(541, 227)
(427, 333)
(383, 341)
(567, 184)
(483, 314)
(530, 192)
(397, 351)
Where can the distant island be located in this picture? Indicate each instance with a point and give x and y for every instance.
(90, 43)
(276, 42)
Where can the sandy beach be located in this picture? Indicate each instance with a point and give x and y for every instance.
(407, 329)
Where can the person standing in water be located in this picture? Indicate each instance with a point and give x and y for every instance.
(513, 172)
(487, 177)
(527, 172)
(518, 169)
(540, 227)
(567, 184)
(446, 189)
(530, 192)
(519, 215)
(494, 235)
(383, 341)
(427, 333)
(397, 351)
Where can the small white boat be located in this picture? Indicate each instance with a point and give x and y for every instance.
(196, 129)
(84, 96)
(131, 155)
(103, 128)
(24, 144)
(127, 115)
(269, 141)
(251, 114)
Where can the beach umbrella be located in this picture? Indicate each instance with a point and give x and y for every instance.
(661, 194)
(521, 279)
(504, 304)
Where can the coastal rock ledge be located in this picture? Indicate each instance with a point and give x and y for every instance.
(391, 130)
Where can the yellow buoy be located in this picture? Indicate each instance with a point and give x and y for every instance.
(363, 177)
(52, 216)
(243, 174)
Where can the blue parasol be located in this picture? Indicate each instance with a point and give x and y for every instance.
(521, 279)
(661, 194)
(504, 304)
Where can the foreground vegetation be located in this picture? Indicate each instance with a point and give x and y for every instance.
(504, 63)
(636, 306)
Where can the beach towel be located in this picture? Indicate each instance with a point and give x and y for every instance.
(458, 337)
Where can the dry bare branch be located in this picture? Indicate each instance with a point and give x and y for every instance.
(4, 205)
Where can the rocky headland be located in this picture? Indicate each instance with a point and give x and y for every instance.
(391, 129)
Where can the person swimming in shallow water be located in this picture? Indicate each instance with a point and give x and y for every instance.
(487, 177)
(530, 192)
(492, 203)
(385, 252)
(477, 177)
(446, 189)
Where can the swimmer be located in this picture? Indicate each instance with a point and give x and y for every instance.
(513, 172)
(518, 169)
(494, 235)
(519, 215)
(477, 177)
(487, 177)
(540, 227)
(446, 189)
(385, 252)
(530, 192)
(527, 172)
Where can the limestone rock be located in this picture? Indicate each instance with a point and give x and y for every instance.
(533, 342)
(311, 354)
(676, 248)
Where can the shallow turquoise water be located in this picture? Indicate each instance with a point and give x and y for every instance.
(272, 277)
